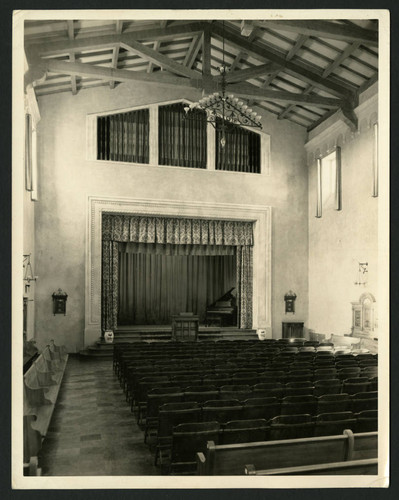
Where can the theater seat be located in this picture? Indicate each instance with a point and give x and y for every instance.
(291, 427)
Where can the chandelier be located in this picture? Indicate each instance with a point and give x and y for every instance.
(223, 111)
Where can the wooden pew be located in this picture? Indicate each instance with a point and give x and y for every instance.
(350, 467)
(42, 383)
(231, 459)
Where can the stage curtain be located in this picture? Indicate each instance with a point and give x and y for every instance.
(244, 286)
(153, 287)
(175, 231)
(109, 293)
(182, 141)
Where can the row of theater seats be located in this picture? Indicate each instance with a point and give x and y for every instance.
(178, 451)
(179, 441)
(305, 392)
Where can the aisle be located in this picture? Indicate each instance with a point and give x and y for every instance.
(92, 431)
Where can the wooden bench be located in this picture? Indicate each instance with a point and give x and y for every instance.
(350, 467)
(42, 383)
(231, 459)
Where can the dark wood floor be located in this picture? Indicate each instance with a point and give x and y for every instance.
(92, 432)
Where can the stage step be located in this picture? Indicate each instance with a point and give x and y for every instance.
(102, 349)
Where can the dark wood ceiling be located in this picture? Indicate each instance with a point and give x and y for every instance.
(300, 70)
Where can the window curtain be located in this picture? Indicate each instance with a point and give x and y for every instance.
(182, 141)
(124, 137)
(152, 286)
(241, 152)
(176, 231)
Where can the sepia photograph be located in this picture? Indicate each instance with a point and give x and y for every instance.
(200, 249)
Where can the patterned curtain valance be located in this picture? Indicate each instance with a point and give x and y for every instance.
(174, 230)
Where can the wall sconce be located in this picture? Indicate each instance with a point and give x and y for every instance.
(59, 302)
(289, 299)
(362, 271)
(28, 273)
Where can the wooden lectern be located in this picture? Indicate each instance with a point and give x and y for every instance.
(185, 327)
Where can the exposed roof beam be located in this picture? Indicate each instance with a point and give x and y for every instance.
(301, 70)
(109, 41)
(242, 54)
(244, 90)
(346, 53)
(71, 30)
(120, 75)
(324, 29)
(71, 36)
(206, 52)
(193, 51)
(253, 72)
(297, 47)
(252, 92)
(119, 26)
(247, 27)
(159, 59)
(349, 50)
(349, 117)
(157, 45)
(114, 64)
(73, 77)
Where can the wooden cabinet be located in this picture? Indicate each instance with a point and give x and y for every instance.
(292, 329)
(185, 327)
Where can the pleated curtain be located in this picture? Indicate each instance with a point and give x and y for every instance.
(182, 141)
(241, 152)
(124, 137)
(152, 287)
(174, 231)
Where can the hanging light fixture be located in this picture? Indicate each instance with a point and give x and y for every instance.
(225, 110)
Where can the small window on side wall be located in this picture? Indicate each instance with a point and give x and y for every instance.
(329, 182)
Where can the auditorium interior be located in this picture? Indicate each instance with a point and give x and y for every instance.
(203, 252)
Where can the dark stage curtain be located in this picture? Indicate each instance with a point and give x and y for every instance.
(153, 287)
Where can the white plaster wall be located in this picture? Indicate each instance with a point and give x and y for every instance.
(341, 239)
(66, 179)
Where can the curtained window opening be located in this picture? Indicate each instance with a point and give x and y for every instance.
(124, 137)
(182, 142)
(241, 152)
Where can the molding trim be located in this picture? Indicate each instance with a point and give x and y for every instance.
(259, 214)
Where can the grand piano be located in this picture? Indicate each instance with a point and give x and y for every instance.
(223, 312)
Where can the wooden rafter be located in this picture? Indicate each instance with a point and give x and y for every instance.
(349, 50)
(206, 52)
(253, 72)
(244, 90)
(299, 70)
(114, 64)
(109, 41)
(157, 46)
(159, 59)
(252, 92)
(242, 54)
(323, 29)
(71, 36)
(193, 51)
(296, 47)
(119, 26)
